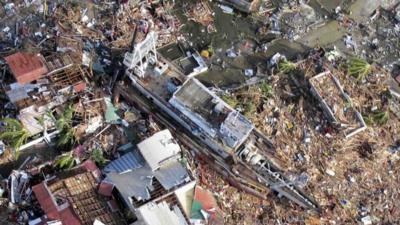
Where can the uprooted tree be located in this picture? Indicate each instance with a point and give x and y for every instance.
(359, 68)
(286, 66)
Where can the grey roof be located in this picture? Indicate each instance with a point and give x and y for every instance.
(158, 148)
(19, 92)
(235, 129)
(127, 162)
(160, 214)
(196, 97)
(136, 183)
(171, 175)
(133, 177)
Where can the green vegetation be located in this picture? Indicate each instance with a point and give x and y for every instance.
(230, 100)
(98, 157)
(66, 137)
(368, 120)
(379, 118)
(64, 125)
(65, 162)
(14, 134)
(286, 66)
(249, 108)
(359, 68)
(210, 49)
(266, 90)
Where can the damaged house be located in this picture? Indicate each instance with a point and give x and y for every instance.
(226, 132)
(152, 182)
(337, 104)
(41, 85)
(72, 198)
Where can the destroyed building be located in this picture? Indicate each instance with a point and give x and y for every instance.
(211, 114)
(41, 84)
(73, 198)
(240, 123)
(151, 181)
(337, 104)
(224, 130)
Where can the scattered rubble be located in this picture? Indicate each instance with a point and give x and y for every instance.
(320, 113)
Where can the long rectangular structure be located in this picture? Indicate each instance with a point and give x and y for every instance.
(337, 104)
(227, 133)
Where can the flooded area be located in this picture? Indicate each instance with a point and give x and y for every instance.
(233, 31)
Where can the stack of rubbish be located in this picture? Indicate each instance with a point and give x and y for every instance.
(352, 177)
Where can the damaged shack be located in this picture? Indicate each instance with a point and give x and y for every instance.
(337, 104)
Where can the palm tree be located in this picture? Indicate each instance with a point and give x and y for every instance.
(98, 156)
(66, 161)
(66, 137)
(378, 118)
(65, 119)
(230, 100)
(286, 66)
(64, 125)
(266, 90)
(14, 134)
(381, 117)
(249, 108)
(359, 68)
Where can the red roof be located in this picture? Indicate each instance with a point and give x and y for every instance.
(206, 199)
(89, 165)
(46, 201)
(106, 188)
(67, 216)
(26, 67)
(79, 87)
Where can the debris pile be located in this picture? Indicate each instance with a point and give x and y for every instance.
(312, 76)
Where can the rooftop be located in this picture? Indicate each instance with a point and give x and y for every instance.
(160, 214)
(211, 113)
(198, 103)
(158, 148)
(139, 183)
(74, 200)
(26, 67)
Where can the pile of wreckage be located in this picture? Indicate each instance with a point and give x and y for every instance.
(336, 136)
(151, 183)
(340, 132)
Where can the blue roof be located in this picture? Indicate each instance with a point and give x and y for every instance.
(130, 161)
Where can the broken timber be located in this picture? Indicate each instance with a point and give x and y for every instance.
(266, 174)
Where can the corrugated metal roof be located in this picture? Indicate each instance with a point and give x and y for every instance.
(127, 162)
(171, 175)
(158, 148)
(160, 214)
(136, 183)
(46, 201)
(133, 177)
(111, 112)
(19, 92)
